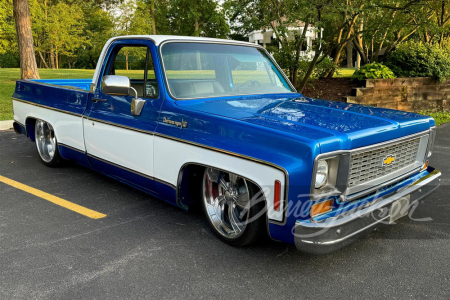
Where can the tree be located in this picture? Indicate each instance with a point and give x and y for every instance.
(99, 27)
(152, 15)
(65, 30)
(124, 23)
(279, 16)
(156, 12)
(370, 27)
(28, 67)
(334, 16)
(8, 41)
(140, 23)
(7, 30)
(197, 18)
(389, 23)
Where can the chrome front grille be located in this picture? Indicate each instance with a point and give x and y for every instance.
(367, 165)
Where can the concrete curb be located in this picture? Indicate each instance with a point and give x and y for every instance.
(5, 125)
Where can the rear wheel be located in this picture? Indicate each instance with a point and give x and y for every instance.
(231, 208)
(46, 144)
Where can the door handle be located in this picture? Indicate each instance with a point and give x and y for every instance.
(95, 100)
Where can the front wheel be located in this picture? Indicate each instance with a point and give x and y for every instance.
(46, 144)
(232, 207)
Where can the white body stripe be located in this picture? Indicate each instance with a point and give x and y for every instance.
(154, 156)
(124, 147)
(68, 128)
(171, 155)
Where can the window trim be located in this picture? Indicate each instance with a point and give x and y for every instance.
(224, 42)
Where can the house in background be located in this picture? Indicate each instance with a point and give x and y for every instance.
(267, 36)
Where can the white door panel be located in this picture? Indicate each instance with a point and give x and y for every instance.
(124, 147)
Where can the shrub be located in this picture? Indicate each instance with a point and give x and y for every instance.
(320, 69)
(373, 71)
(440, 117)
(412, 59)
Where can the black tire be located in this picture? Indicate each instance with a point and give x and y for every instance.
(256, 223)
(53, 158)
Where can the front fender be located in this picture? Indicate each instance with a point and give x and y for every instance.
(259, 153)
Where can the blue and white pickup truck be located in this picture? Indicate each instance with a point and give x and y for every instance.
(216, 122)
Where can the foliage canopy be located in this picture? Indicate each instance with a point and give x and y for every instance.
(417, 59)
(72, 33)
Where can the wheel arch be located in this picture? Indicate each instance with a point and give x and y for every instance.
(30, 123)
(191, 174)
(189, 183)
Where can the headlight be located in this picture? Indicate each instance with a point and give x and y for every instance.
(321, 174)
(330, 175)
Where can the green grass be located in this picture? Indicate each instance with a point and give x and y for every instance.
(439, 117)
(8, 79)
(344, 72)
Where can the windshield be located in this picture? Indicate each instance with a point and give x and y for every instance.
(200, 70)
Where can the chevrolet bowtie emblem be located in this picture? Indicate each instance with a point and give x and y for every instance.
(388, 160)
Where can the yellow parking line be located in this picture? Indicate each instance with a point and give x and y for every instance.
(56, 200)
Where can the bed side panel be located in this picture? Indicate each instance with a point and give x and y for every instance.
(59, 106)
(71, 100)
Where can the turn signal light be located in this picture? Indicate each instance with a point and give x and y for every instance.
(276, 197)
(425, 166)
(321, 208)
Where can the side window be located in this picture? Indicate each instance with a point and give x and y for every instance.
(130, 62)
(135, 62)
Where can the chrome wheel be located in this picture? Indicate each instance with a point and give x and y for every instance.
(226, 198)
(45, 140)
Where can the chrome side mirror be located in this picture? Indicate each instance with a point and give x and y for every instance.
(116, 85)
(120, 86)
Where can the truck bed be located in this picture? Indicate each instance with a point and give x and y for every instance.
(62, 102)
(65, 95)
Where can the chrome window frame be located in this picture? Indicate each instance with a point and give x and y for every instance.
(224, 42)
(347, 194)
(105, 50)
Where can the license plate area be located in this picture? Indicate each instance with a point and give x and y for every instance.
(399, 208)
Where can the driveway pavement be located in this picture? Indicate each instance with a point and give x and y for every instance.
(146, 248)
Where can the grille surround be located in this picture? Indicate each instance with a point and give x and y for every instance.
(366, 165)
(345, 193)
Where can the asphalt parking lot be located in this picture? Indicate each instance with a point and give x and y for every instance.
(145, 248)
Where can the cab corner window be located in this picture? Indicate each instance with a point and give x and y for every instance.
(135, 62)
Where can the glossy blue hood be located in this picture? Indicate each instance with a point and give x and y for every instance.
(335, 125)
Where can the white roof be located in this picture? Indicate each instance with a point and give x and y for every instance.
(158, 39)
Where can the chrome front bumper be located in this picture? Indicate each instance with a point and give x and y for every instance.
(334, 233)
